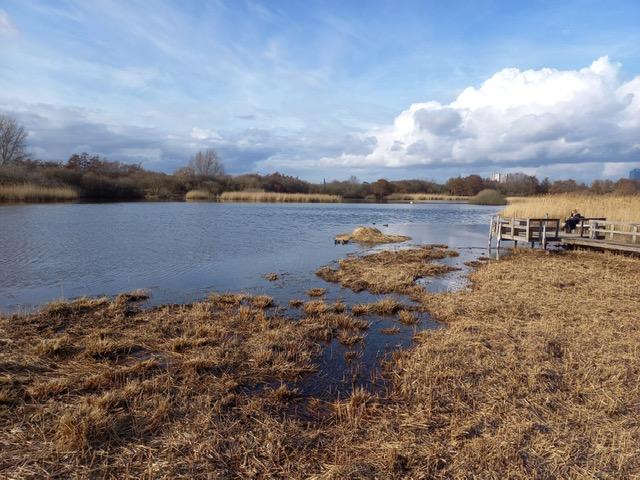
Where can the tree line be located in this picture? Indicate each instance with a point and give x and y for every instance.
(96, 177)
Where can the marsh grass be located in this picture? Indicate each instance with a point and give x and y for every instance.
(535, 376)
(199, 195)
(91, 385)
(390, 331)
(34, 193)
(388, 271)
(316, 292)
(273, 197)
(426, 197)
(621, 208)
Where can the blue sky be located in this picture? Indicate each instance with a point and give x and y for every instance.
(327, 89)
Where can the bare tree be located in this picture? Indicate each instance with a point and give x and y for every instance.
(13, 143)
(206, 163)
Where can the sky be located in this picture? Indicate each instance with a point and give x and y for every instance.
(330, 89)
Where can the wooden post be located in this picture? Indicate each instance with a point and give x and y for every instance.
(634, 237)
(593, 226)
(513, 227)
(611, 228)
(544, 231)
(490, 231)
(499, 233)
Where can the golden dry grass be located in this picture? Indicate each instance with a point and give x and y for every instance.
(316, 292)
(91, 388)
(33, 193)
(388, 271)
(199, 195)
(534, 377)
(621, 208)
(369, 236)
(279, 197)
(426, 197)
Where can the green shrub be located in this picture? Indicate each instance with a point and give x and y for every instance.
(488, 197)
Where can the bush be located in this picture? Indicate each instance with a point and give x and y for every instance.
(94, 186)
(488, 197)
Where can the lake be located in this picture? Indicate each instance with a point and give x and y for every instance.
(180, 252)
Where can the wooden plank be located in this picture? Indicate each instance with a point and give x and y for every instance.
(602, 244)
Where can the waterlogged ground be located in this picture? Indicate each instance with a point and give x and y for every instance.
(180, 252)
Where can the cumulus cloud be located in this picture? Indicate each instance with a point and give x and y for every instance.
(516, 118)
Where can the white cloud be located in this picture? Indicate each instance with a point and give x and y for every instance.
(516, 118)
(5, 23)
(204, 134)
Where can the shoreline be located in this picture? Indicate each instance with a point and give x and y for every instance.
(504, 378)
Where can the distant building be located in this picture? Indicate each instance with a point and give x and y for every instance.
(634, 174)
(498, 177)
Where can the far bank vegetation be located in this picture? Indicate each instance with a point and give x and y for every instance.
(35, 193)
(488, 197)
(95, 177)
(613, 207)
(270, 197)
(203, 195)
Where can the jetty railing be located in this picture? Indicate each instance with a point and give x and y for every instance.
(530, 230)
(622, 232)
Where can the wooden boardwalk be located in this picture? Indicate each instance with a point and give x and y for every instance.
(594, 233)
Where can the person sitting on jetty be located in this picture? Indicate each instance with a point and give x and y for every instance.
(573, 220)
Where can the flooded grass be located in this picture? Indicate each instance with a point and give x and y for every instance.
(534, 377)
(388, 271)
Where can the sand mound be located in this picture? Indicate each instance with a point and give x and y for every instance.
(369, 235)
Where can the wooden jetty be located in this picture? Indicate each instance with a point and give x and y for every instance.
(596, 233)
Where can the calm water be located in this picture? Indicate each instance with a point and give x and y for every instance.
(181, 252)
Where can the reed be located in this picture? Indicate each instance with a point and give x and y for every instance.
(426, 197)
(621, 208)
(273, 197)
(199, 195)
(29, 193)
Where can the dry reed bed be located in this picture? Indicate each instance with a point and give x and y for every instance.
(426, 197)
(93, 387)
(389, 271)
(621, 208)
(35, 193)
(199, 195)
(279, 197)
(535, 377)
